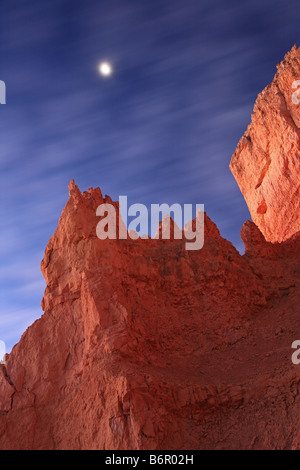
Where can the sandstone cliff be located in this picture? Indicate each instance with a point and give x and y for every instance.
(266, 163)
(145, 345)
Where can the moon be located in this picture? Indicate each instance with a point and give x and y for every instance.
(105, 69)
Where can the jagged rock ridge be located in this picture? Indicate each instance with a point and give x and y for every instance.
(145, 345)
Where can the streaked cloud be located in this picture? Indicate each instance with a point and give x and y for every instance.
(162, 129)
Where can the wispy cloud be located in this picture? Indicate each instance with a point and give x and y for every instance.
(162, 129)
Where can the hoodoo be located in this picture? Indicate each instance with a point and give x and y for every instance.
(146, 345)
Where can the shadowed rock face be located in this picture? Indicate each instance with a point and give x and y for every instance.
(145, 345)
(266, 163)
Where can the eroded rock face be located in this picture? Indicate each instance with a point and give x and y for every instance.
(266, 163)
(146, 345)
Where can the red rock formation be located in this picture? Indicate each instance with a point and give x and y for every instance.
(266, 163)
(146, 345)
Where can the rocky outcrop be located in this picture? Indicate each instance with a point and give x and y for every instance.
(146, 345)
(266, 163)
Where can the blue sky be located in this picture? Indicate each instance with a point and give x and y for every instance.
(161, 129)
